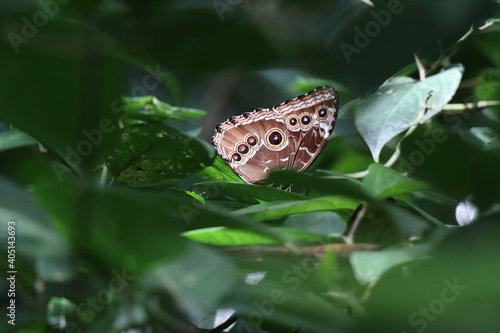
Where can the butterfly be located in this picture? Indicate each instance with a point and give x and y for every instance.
(287, 136)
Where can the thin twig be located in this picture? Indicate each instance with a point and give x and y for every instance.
(451, 50)
(486, 26)
(394, 157)
(421, 68)
(458, 108)
(260, 252)
(360, 174)
(104, 175)
(349, 239)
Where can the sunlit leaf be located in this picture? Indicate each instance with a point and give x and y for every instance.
(14, 139)
(149, 108)
(397, 104)
(466, 212)
(271, 210)
(219, 171)
(222, 236)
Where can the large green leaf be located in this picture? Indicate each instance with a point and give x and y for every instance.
(322, 223)
(244, 192)
(222, 236)
(397, 104)
(369, 267)
(421, 212)
(272, 210)
(151, 153)
(382, 182)
(324, 185)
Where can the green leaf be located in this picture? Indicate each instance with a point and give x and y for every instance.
(484, 134)
(151, 153)
(244, 192)
(219, 171)
(407, 223)
(396, 106)
(310, 226)
(382, 182)
(322, 223)
(369, 267)
(222, 236)
(14, 139)
(493, 20)
(149, 108)
(273, 210)
(304, 182)
(421, 212)
(197, 280)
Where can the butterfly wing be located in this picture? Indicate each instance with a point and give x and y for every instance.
(250, 144)
(310, 120)
(288, 136)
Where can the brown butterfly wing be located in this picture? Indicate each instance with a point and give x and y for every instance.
(243, 143)
(314, 114)
(288, 136)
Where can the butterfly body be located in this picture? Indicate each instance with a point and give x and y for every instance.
(287, 136)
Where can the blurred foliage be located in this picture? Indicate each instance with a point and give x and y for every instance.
(125, 219)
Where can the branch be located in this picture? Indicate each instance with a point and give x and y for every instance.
(465, 107)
